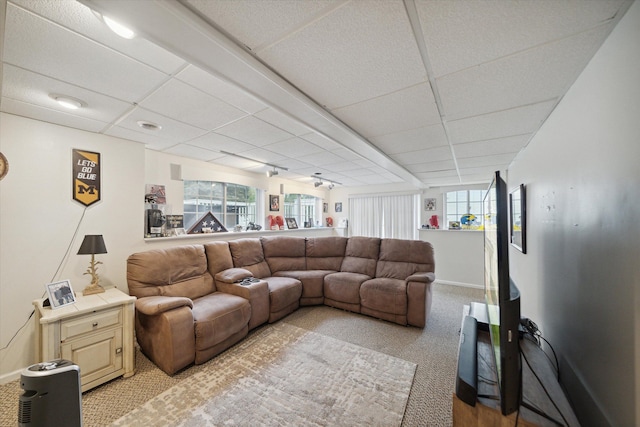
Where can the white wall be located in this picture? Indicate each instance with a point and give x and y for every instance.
(38, 219)
(580, 279)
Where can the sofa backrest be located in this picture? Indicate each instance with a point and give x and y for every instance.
(361, 255)
(400, 259)
(248, 254)
(179, 271)
(325, 253)
(218, 257)
(284, 252)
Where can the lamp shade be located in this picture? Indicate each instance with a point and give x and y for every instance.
(92, 244)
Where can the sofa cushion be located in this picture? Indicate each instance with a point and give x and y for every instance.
(400, 259)
(179, 271)
(344, 286)
(218, 257)
(247, 253)
(361, 255)
(325, 253)
(385, 295)
(283, 292)
(312, 281)
(284, 253)
(218, 316)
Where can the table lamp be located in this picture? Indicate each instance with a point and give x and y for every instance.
(91, 245)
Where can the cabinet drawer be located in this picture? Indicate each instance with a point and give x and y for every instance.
(95, 322)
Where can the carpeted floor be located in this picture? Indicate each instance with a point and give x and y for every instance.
(433, 350)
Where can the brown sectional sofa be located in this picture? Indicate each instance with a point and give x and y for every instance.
(191, 306)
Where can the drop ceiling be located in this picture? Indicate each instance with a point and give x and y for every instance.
(365, 92)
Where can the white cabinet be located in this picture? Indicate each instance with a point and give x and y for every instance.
(96, 333)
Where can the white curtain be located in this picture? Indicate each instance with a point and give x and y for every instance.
(394, 216)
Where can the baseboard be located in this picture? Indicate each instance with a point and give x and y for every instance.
(464, 285)
(11, 376)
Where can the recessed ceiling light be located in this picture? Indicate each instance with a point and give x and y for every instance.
(67, 101)
(148, 125)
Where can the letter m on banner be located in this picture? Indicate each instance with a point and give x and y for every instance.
(86, 177)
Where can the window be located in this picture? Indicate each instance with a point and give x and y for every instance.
(463, 209)
(302, 207)
(232, 204)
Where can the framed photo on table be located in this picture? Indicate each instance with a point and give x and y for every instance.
(60, 294)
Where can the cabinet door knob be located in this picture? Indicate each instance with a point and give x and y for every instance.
(94, 324)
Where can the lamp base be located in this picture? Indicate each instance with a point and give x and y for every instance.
(93, 289)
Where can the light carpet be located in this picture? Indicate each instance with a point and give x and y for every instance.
(285, 375)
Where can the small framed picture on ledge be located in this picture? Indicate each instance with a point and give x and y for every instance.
(60, 294)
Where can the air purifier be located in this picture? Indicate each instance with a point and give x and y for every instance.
(52, 395)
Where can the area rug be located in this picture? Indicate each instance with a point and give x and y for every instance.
(285, 375)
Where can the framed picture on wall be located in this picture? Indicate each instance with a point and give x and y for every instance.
(517, 204)
(430, 204)
(274, 202)
(338, 206)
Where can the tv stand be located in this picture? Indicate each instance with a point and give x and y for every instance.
(486, 411)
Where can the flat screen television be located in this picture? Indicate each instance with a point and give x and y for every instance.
(502, 297)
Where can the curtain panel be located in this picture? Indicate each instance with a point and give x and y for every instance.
(395, 216)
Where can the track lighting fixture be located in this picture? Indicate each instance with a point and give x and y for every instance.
(272, 173)
(269, 173)
(318, 183)
(330, 186)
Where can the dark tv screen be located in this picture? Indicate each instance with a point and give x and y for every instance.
(501, 295)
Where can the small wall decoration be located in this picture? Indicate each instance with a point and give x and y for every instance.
(60, 294)
(291, 223)
(274, 203)
(430, 204)
(86, 177)
(338, 206)
(517, 204)
(175, 221)
(325, 207)
(207, 223)
(155, 194)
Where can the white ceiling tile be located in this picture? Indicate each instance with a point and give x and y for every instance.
(282, 121)
(264, 156)
(497, 159)
(40, 46)
(81, 19)
(44, 114)
(294, 147)
(216, 142)
(341, 167)
(427, 176)
(171, 129)
(254, 131)
(321, 141)
(374, 179)
(461, 34)
(411, 140)
(515, 121)
(152, 142)
(192, 106)
(255, 23)
(321, 159)
(220, 89)
(532, 76)
(192, 152)
(424, 156)
(431, 166)
(359, 51)
(346, 154)
(409, 108)
(36, 89)
(511, 144)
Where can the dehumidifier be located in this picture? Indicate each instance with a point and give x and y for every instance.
(52, 395)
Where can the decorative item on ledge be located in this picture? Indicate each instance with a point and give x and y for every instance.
(208, 223)
(91, 245)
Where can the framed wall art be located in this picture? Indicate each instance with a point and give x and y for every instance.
(517, 205)
(274, 202)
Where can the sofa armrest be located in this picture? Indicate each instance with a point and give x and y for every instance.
(159, 304)
(232, 275)
(424, 277)
(258, 295)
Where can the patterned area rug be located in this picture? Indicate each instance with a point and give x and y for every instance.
(285, 375)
